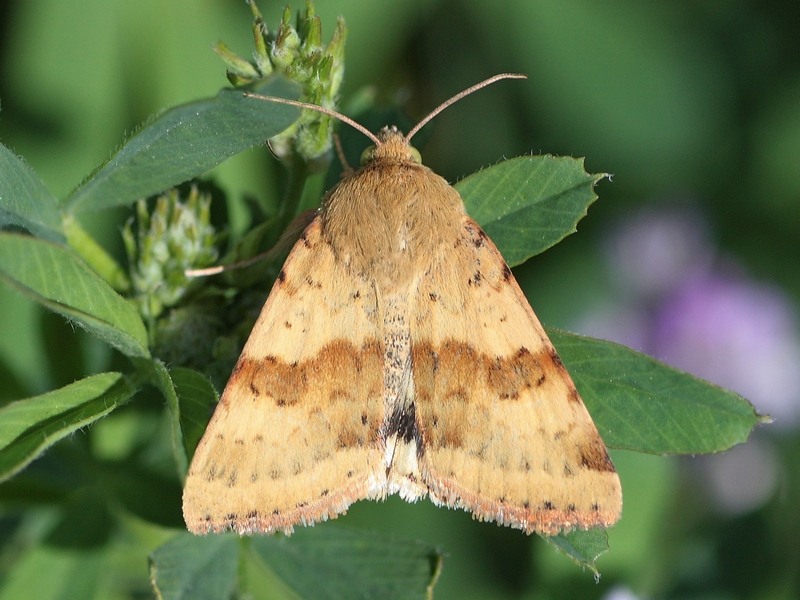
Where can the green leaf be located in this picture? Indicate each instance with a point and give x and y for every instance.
(530, 203)
(641, 404)
(25, 200)
(324, 562)
(350, 563)
(73, 574)
(55, 277)
(584, 547)
(28, 427)
(185, 142)
(159, 376)
(190, 397)
(201, 568)
(197, 397)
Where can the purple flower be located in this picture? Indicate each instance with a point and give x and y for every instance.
(737, 333)
(654, 249)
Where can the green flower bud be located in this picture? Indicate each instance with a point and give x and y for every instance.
(297, 53)
(175, 237)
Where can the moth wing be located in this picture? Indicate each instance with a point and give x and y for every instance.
(504, 433)
(295, 436)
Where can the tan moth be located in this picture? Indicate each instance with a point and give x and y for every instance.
(396, 354)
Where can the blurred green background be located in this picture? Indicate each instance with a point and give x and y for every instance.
(692, 252)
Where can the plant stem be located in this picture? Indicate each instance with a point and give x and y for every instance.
(305, 188)
(95, 255)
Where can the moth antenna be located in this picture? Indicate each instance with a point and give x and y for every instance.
(337, 143)
(458, 97)
(320, 109)
(284, 244)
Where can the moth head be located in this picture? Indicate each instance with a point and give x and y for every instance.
(391, 144)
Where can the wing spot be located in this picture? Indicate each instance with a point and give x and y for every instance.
(508, 376)
(594, 456)
(403, 422)
(556, 358)
(317, 285)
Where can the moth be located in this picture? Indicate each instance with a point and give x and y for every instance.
(396, 354)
